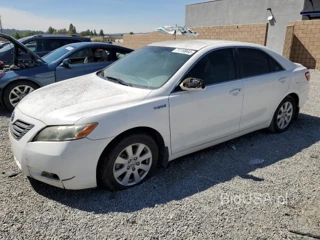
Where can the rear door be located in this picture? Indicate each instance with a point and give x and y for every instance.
(265, 82)
(84, 61)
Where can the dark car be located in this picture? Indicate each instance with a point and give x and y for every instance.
(40, 44)
(72, 60)
(2, 44)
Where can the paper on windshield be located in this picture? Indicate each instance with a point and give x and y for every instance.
(184, 51)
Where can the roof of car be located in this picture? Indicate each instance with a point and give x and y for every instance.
(199, 44)
(58, 36)
(88, 44)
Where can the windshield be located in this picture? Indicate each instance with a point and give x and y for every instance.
(148, 67)
(58, 53)
(9, 46)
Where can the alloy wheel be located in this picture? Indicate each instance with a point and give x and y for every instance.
(285, 114)
(18, 93)
(132, 164)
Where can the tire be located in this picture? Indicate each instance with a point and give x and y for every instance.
(12, 90)
(119, 170)
(284, 115)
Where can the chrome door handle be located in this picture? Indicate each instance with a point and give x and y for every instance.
(283, 79)
(235, 91)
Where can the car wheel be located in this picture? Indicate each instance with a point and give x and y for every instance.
(129, 163)
(284, 115)
(15, 92)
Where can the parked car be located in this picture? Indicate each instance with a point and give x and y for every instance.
(2, 44)
(161, 102)
(40, 44)
(72, 60)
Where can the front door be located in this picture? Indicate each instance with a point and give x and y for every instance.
(200, 116)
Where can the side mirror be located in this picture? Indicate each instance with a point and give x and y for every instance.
(66, 63)
(190, 84)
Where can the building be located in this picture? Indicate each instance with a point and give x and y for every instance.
(278, 13)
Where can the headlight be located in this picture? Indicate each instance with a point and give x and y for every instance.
(65, 133)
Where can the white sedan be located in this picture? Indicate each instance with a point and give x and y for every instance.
(163, 101)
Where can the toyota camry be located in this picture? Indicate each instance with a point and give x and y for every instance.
(166, 100)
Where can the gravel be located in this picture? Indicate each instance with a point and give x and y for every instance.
(205, 195)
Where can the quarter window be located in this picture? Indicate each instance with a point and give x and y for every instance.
(274, 65)
(215, 67)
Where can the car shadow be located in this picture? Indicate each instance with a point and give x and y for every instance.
(4, 112)
(196, 172)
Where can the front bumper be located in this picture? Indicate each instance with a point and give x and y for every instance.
(73, 162)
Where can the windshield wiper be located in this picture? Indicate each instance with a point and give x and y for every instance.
(118, 81)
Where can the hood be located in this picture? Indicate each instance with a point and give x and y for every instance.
(18, 45)
(68, 101)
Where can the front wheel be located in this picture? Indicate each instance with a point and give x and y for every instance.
(130, 162)
(15, 92)
(284, 115)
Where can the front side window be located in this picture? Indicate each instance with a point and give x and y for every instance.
(253, 62)
(149, 67)
(215, 67)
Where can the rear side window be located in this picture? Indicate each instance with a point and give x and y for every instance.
(253, 62)
(32, 45)
(216, 67)
(121, 53)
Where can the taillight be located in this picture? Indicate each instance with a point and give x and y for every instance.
(308, 76)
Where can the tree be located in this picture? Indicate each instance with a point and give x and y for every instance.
(91, 33)
(71, 27)
(16, 35)
(62, 31)
(101, 33)
(51, 30)
(74, 30)
(131, 33)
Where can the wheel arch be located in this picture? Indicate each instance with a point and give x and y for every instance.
(163, 150)
(297, 100)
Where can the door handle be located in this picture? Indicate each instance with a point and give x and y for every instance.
(283, 79)
(235, 91)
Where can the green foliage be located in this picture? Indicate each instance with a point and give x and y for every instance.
(131, 33)
(101, 33)
(51, 30)
(16, 35)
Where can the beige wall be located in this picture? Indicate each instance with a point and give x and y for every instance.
(302, 43)
(255, 33)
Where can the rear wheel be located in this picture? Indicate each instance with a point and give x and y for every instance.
(129, 163)
(284, 115)
(15, 92)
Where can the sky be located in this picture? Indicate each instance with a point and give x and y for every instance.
(112, 16)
